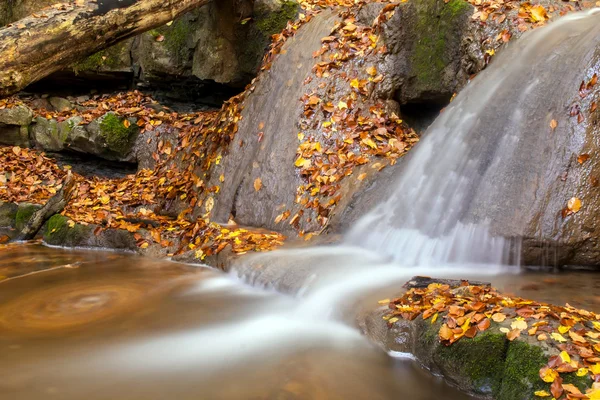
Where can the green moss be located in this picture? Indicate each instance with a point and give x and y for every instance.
(24, 214)
(116, 135)
(480, 360)
(58, 232)
(431, 53)
(105, 59)
(176, 38)
(275, 22)
(521, 372)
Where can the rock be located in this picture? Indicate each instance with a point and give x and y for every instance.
(14, 135)
(271, 159)
(47, 135)
(8, 214)
(60, 104)
(112, 138)
(60, 231)
(19, 115)
(24, 213)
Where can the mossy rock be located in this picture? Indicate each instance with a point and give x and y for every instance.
(47, 134)
(8, 214)
(58, 232)
(24, 214)
(272, 22)
(489, 364)
(438, 40)
(118, 138)
(115, 58)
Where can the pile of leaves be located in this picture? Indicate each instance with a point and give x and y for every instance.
(468, 310)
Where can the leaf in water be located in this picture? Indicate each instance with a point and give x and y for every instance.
(553, 124)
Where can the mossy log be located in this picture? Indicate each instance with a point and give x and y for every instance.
(55, 205)
(56, 38)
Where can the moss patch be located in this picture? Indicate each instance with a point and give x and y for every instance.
(521, 372)
(480, 360)
(106, 59)
(117, 136)
(275, 22)
(23, 215)
(59, 233)
(432, 49)
(176, 38)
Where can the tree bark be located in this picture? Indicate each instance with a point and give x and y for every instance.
(55, 205)
(43, 43)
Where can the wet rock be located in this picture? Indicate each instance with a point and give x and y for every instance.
(60, 231)
(24, 213)
(8, 214)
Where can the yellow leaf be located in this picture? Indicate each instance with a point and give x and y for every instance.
(257, 184)
(565, 356)
(392, 320)
(384, 301)
(548, 375)
(362, 176)
(595, 368)
(105, 199)
(538, 13)
(519, 324)
(541, 393)
(355, 83)
(558, 337)
(553, 124)
(342, 105)
(326, 124)
(71, 223)
(435, 317)
(574, 204)
(498, 317)
(372, 71)
(563, 328)
(126, 123)
(582, 372)
(144, 245)
(302, 163)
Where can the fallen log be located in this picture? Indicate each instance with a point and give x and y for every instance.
(54, 206)
(53, 39)
(420, 282)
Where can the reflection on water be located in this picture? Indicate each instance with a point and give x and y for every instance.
(99, 325)
(115, 326)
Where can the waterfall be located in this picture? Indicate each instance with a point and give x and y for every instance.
(438, 210)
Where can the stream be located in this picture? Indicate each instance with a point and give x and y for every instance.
(97, 325)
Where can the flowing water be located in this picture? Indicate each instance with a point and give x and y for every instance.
(98, 325)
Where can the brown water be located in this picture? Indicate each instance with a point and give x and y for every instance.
(99, 325)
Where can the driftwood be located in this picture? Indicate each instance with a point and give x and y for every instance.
(55, 205)
(55, 38)
(420, 282)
